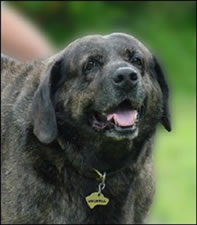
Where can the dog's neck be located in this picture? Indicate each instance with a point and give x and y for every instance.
(103, 154)
(116, 193)
(66, 175)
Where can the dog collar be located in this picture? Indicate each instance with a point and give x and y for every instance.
(97, 198)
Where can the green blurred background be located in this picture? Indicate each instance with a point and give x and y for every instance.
(168, 29)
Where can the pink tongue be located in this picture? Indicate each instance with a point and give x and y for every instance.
(123, 118)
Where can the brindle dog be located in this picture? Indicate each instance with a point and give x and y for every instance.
(95, 105)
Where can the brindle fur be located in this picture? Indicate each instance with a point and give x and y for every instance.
(48, 149)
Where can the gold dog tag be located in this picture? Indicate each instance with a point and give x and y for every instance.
(95, 199)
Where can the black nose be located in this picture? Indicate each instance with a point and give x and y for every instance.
(125, 77)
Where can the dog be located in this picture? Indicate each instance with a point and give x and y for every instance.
(77, 133)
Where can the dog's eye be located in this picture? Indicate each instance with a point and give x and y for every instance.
(137, 61)
(134, 59)
(90, 65)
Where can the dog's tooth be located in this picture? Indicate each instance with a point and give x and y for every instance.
(116, 123)
(135, 116)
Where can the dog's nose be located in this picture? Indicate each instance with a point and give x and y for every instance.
(125, 77)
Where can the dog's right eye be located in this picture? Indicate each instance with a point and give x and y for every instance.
(90, 65)
(93, 62)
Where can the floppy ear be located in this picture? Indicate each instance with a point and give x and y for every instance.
(165, 91)
(43, 105)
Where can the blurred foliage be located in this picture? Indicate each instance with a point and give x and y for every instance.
(168, 29)
(175, 167)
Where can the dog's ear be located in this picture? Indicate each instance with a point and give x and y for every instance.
(165, 91)
(43, 105)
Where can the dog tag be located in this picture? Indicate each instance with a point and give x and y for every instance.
(95, 199)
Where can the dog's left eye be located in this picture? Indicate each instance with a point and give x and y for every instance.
(137, 61)
(134, 59)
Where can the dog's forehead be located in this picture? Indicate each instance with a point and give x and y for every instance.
(87, 44)
(105, 42)
(123, 39)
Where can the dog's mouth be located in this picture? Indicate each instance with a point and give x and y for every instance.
(121, 120)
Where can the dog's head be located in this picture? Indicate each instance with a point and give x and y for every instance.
(110, 86)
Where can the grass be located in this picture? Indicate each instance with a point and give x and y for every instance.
(175, 167)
